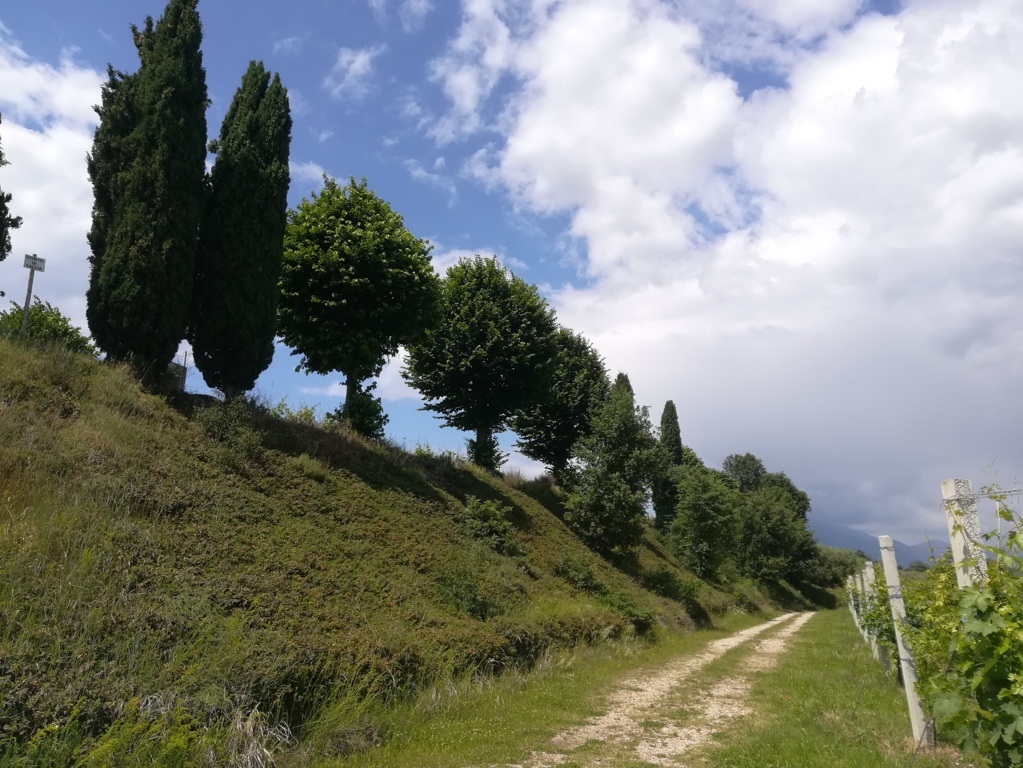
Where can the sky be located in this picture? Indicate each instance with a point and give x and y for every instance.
(800, 220)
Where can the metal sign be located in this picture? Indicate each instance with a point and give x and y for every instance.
(35, 263)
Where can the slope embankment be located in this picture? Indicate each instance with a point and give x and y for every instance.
(173, 574)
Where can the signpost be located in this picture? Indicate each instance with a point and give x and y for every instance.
(33, 264)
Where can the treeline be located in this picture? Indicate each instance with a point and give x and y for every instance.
(216, 258)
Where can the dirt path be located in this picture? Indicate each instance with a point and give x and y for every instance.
(623, 731)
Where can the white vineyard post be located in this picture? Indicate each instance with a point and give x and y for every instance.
(870, 598)
(964, 532)
(922, 733)
(880, 652)
(862, 587)
(852, 599)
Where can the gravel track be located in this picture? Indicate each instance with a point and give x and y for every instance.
(641, 698)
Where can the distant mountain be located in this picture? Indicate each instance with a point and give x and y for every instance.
(836, 535)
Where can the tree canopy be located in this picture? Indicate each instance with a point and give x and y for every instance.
(355, 284)
(747, 471)
(489, 357)
(147, 168)
(237, 278)
(606, 506)
(549, 427)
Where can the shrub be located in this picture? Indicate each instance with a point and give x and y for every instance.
(667, 583)
(578, 571)
(46, 324)
(487, 521)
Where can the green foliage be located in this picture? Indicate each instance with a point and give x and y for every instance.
(199, 558)
(363, 412)
(747, 471)
(230, 424)
(355, 285)
(703, 530)
(549, 427)
(966, 645)
(7, 221)
(666, 582)
(800, 501)
(490, 356)
(487, 521)
(774, 542)
(148, 168)
(606, 505)
(830, 566)
(578, 571)
(47, 325)
(241, 238)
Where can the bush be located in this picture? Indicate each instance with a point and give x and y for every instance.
(46, 324)
(487, 521)
(578, 571)
(230, 424)
(667, 583)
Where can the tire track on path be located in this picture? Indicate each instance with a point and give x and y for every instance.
(726, 701)
(641, 694)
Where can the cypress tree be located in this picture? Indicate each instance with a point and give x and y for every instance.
(143, 289)
(234, 305)
(106, 164)
(671, 437)
(7, 221)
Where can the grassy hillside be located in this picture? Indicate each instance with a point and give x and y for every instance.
(181, 583)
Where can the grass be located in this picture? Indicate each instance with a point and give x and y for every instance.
(825, 704)
(501, 721)
(171, 577)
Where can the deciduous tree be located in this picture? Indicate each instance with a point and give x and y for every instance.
(550, 427)
(747, 471)
(355, 284)
(489, 357)
(237, 278)
(702, 531)
(607, 503)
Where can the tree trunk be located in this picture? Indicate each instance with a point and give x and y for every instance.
(351, 392)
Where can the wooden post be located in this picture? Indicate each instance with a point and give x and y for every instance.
(964, 532)
(922, 734)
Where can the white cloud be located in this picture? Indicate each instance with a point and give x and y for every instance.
(413, 14)
(309, 172)
(323, 136)
(471, 67)
(47, 129)
(441, 182)
(352, 73)
(826, 275)
(289, 45)
(390, 384)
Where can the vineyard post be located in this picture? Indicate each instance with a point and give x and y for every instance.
(869, 599)
(880, 652)
(922, 733)
(851, 602)
(864, 603)
(964, 532)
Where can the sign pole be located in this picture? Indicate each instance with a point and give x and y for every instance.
(32, 263)
(28, 301)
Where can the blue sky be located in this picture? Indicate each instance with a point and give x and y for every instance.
(799, 220)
